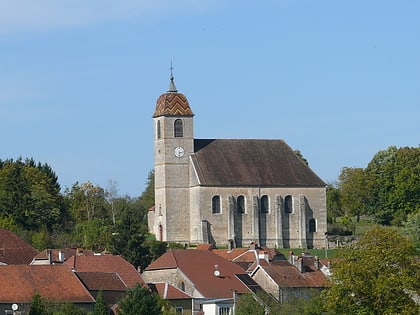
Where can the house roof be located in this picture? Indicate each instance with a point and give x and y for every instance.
(221, 162)
(53, 282)
(199, 267)
(66, 252)
(168, 291)
(105, 281)
(287, 275)
(14, 250)
(107, 263)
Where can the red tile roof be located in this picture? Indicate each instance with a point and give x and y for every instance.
(199, 266)
(66, 252)
(168, 291)
(287, 275)
(14, 250)
(105, 281)
(53, 282)
(107, 263)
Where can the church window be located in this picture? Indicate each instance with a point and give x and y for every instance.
(288, 204)
(215, 204)
(178, 129)
(240, 204)
(264, 204)
(312, 226)
(158, 129)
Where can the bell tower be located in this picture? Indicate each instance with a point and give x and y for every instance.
(173, 145)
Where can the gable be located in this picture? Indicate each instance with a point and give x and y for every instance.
(220, 162)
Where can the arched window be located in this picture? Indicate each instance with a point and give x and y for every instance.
(240, 204)
(215, 204)
(288, 204)
(264, 204)
(178, 129)
(182, 286)
(312, 226)
(158, 129)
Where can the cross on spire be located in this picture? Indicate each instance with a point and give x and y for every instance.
(172, 87)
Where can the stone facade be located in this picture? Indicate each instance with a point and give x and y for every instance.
(230, 192)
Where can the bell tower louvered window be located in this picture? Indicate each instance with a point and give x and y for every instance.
(178, 128)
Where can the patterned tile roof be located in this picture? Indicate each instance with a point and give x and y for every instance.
(172, 104)
(107, 263)
(14, 250)
(53, 282)
(248, 162)
(199, 267)
(105, 281)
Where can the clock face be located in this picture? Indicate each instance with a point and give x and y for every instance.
(179, 152)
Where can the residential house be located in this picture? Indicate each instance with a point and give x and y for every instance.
(58, 256)
(19, 283)
(284, 279)
(178, 299)
(14, 250)
(211, 280)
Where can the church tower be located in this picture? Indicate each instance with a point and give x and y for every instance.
(173, 145)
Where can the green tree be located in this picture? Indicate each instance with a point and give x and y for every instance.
(100, 306)
(396, 190)
(38, 306)
(353, 191)
(248, 304)
(377, 275)
(333, 203)
(138, 301)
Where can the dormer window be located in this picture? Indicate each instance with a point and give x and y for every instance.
(178, 129)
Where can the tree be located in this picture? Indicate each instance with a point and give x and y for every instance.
(249, 305)
(100, 306)
(353, 191)
(377, 275)
(333, 203)
(37, 305)
(138, 301)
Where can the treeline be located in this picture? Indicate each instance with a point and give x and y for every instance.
(85, 215)
(388, 189)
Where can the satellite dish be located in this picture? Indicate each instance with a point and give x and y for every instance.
(217, 273)
(15, 307)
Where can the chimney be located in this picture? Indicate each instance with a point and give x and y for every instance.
(300, 265)
(253, 246)
(291, 258)
(263, 255)
(317, 263)
(49, 253)
(60, 256)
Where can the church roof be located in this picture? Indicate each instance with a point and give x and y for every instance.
(172, 103)
(248, 162)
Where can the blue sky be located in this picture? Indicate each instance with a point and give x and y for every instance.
(337, 80)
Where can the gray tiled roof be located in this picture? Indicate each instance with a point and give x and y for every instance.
(248, 162)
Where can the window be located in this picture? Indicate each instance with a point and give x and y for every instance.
(215, 204)
(264, 204)
(240, 204)
(288, 204)
(312, 226)
(179, 310)
(158, 129)
(182, 286)
(224, 310)
(178, 129)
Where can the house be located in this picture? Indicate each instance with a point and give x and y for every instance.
(19, 283)
(14, 250)
(284, 279)
(212, 281)
(58, 256)
(110, 283)
(107, 263)
(178, 299)
(230, 191)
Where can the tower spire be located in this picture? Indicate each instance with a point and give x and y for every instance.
(172, 87)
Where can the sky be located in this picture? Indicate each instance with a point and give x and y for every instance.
(79, 79)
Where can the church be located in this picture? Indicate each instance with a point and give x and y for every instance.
(230, 192)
